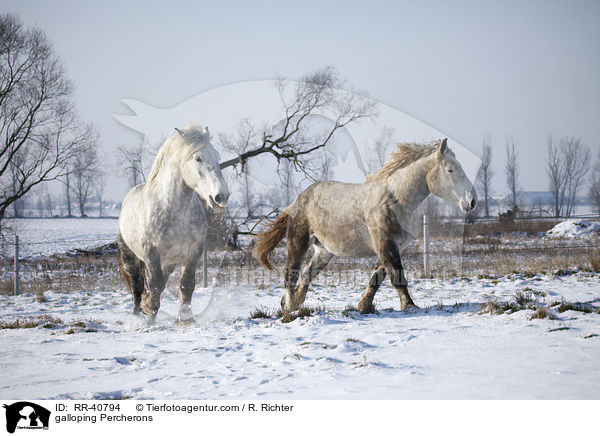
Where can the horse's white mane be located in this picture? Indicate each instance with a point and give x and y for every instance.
(407, 153)
(186, 140)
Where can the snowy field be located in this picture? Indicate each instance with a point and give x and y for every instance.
(89, 346)
(45, 236)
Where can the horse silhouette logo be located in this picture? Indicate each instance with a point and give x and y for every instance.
(26, 415)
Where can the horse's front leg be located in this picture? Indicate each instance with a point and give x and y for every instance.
(187, 286)
(151, 301)
(390, 258)
(366, 302)
(133, 274)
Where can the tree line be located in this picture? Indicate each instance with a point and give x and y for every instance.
(43, 137)
(569, 168)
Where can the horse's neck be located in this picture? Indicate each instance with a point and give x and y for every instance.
(168, 186)
(408, 185)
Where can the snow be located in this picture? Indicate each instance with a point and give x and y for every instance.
(47, 236)
(445, 350)
(574, 229)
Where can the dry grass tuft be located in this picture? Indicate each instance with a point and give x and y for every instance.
(20, 324)
(30, 323)
(540, 313)
(490, 307)
(260, 313)
(579, 307)
(594, 258)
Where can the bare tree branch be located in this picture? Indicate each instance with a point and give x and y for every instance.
(290, 139)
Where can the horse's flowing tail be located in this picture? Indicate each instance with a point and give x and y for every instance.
(268, 240)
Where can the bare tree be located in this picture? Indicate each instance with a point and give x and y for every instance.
(511, 170)
(577, 164)
(595, 186)
(291, 139)
(99, 185)
(85, 168)
(378, 152)
(486, 173)
(567, 166)
(68, 188)
(18, 205)
(557, 175)
(86, 142)
(239, 143)
(40, 193)
(38, 124)
(132, 162)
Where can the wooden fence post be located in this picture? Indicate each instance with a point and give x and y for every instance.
(426, 264)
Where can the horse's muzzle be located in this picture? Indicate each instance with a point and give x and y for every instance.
(219, 201)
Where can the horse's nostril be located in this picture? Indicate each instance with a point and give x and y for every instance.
(473, 204)
(218, 198)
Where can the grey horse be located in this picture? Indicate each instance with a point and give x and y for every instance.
(374, 218)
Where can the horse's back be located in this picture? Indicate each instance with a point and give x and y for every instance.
(335, 214)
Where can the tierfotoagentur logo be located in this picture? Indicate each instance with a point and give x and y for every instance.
(26, 415)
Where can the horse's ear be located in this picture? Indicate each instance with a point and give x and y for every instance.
(179, 131)
(443, 147)
(206, 132)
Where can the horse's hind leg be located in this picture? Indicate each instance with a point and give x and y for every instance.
(366, 302)
(317, 262)
(133, 269)
(297, 244)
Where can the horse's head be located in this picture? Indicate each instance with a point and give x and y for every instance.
(200, 168)
(448, 180)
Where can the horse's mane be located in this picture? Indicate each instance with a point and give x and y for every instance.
(407, 153)
(187, 139)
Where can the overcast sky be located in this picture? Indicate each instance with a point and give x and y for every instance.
(508, 69)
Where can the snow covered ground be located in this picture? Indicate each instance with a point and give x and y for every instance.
(47, 236)
(574, 229)
(94, 348)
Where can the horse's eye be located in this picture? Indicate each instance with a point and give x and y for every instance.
(450, 170)
(199, 159)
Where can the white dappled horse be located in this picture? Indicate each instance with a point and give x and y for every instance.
(163, 222)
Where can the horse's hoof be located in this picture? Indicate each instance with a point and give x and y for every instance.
(185, 321)
(410, 308)
(366, 309)
(151, 318)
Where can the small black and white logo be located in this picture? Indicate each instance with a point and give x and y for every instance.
(26, 415)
